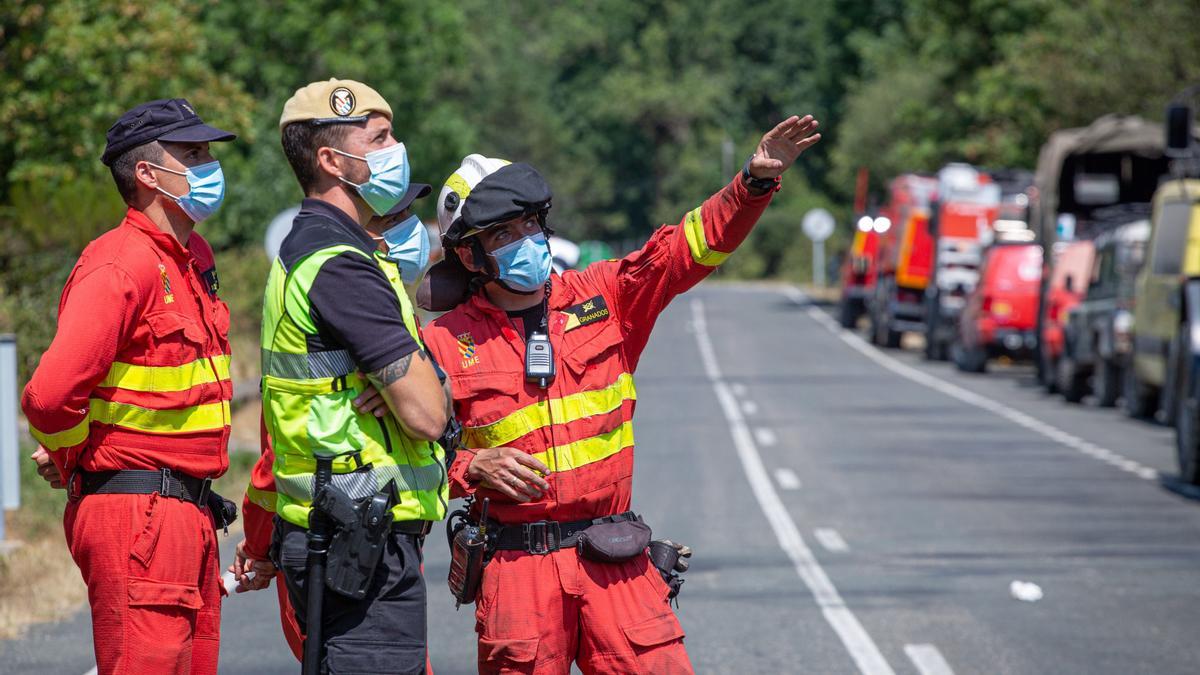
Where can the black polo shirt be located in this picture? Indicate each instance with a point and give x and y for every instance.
(352, 302)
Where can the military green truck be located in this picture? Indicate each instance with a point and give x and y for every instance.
(1166, 320)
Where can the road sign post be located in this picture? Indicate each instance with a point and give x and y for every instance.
(10, 469)
(817, 226)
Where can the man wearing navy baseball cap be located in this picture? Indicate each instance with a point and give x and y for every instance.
(130, 404)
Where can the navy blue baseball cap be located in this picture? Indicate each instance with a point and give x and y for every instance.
(415, 191)
(172, 120)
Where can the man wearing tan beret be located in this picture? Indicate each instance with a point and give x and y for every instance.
(363, 483)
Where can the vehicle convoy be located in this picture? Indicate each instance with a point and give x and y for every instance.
(965, 205)
(1097, 335)
(1070, 271)
(904, 260)
(1080, 172)
(858, 271)
(1001, 313)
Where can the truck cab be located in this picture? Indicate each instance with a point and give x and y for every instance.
(967, 202)
(903, 261)
(858, 271)
(1160, 320)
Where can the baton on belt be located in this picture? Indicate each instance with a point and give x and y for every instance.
(318, 552)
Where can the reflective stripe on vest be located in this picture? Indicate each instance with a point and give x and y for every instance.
(308, 405)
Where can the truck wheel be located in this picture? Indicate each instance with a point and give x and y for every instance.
(1172, 383)
(891, 339)
(1140, 401)
(1070, 383)
(1187, 421)
(969, 359)
(848, 316)
(1107, 383)
(1048, 372)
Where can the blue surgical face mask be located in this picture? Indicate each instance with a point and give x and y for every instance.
(408, 247)
(525, 263)
(206, 184)
(389, 177)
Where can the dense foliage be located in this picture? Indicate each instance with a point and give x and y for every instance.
(634, 109)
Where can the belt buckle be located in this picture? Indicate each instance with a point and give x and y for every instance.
(164, 483)
(541, 537)
(74, 486)
(205, 490)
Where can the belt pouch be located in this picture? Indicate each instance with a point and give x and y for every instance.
(614, 542)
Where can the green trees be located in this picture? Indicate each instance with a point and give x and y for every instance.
(634, 109)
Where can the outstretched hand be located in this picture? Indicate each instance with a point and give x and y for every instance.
(780, 147)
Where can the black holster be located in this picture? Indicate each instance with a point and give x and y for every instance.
(359, 537)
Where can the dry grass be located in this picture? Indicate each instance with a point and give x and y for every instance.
(39, 581)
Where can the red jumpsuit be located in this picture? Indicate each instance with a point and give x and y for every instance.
(540, 613)
(137, 377)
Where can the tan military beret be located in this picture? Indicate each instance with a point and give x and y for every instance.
(333, 101)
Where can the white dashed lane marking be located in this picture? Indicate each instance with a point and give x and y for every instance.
(831, 540)
(928, 660)
(787, 479)
(765, 436)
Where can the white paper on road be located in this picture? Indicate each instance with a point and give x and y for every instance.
(1026, 591)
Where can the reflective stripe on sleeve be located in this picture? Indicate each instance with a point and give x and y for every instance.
(563, 411)
(167, 378)
(264, 499)
(62, 439)
(207, 417)
(693, 229)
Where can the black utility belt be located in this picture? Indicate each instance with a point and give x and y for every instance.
(418, 528)
(185, 488)
(547, 536)
(141, 482)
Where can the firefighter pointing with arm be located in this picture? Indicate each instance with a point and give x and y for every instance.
(355, 492)
(542, 371)
(131, 401)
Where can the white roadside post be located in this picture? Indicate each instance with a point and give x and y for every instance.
(817, 226)
(10, 469)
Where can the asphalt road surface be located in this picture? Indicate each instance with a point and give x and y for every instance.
(854, 510)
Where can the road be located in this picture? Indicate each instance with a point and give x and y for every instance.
(857, 511)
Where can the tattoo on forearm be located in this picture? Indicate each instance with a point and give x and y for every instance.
(396, 369)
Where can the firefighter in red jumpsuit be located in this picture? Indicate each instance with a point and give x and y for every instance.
(131, 401)
(554, 454)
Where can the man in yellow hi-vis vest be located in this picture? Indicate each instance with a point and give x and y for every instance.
(333, 325)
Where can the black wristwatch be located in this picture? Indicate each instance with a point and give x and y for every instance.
(760, 184)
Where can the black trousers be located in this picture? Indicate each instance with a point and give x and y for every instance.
(382, 633)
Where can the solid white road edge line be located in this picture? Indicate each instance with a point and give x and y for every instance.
(93, 671)
(971, 398)
(831, 540)
(928, 660)
(787, 479)
(854, 637)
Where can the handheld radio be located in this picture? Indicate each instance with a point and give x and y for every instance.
(539, 360)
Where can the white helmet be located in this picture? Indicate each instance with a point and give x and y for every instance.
(473, 169)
